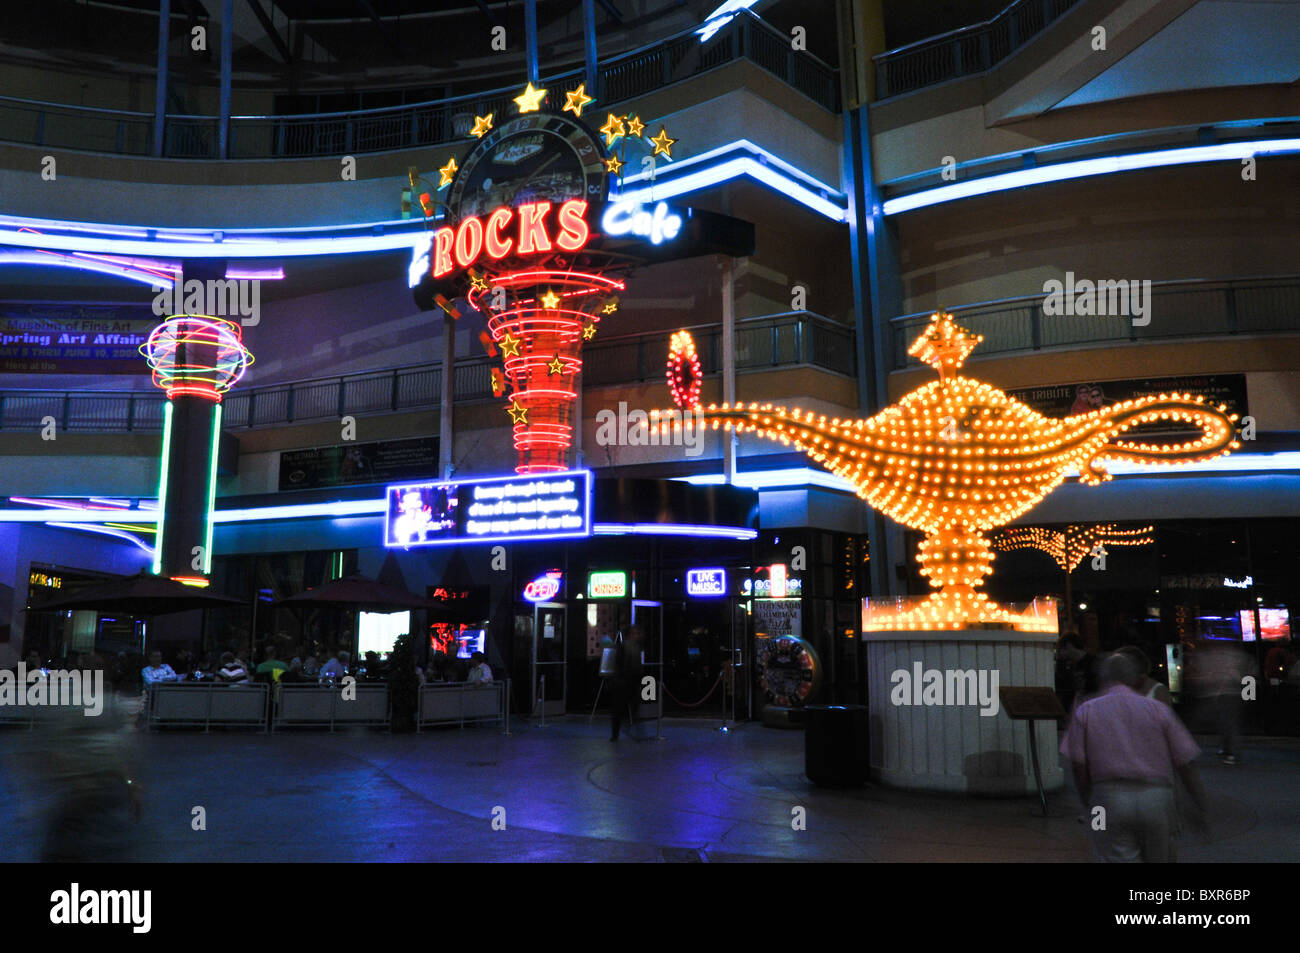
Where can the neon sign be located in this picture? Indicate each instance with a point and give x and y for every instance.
(607, 585)
(1239, 583)
(632, 218)
(706, 582)
(475, 235)
(553, 506)
(543, 588)
(777, 576)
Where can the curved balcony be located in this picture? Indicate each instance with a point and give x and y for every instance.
(963, 52)
(1178, 310)
(622, 78)
(772, 341)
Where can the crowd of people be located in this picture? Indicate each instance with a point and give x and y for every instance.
(1131, 757)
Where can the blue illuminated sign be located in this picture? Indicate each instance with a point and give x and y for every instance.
(706, 582)
(497, 509)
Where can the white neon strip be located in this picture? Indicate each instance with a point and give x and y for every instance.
(1083, 168)
(734, 169)
(108, 531)
(716, 20)
(42, 259)
(771, 479)
(738, 145)
(673, 529)
(1232, 463)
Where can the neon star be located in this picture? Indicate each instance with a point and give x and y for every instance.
(610, 308)
(613, 166)
(588, 331)
(554, 366)
(518, 412)
(550, 300)
(575, 99)
(510, 345)
(481, 125)
(612, 129)
(530, 100)
(478, 281)
(447, 173)
(662, 143)
(635, 126)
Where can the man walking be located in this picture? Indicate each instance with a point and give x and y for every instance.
(626, 681)
(1125, 750)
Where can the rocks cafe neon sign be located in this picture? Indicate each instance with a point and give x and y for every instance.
(523, 230)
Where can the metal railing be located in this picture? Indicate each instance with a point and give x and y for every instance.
(783, 340)
(971, 49)
(622, 77)
(1178, 309)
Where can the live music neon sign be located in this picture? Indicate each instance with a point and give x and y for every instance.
(509, 231)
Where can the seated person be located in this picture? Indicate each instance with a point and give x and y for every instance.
(272, 666)
(479, 672)
(337, 666)
(157, 670)
(232, 670)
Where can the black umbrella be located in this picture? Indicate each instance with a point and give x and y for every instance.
(142, 594)
(363, 593)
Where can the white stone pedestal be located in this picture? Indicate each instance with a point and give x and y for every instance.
(949, 747)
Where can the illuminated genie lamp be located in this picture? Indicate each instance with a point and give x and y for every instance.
(957, 457)
(195, 359)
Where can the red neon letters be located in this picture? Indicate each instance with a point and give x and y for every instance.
(471, 237)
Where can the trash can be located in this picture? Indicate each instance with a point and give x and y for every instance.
(836, 752)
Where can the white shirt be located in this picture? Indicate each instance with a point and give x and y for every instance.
(163, 673)
(480, 674)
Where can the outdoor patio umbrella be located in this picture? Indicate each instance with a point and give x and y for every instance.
(142, 594)
(364, 594)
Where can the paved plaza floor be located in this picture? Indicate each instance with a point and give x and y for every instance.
(566, 793)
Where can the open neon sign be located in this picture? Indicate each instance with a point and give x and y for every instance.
(505, 231)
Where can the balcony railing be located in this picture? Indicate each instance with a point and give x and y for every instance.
(1177, 309)
(972, 49)
(622, 78)
(784, 340)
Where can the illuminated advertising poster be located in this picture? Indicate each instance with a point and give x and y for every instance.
(509, 509)
(1247, 625)
(1274, 623)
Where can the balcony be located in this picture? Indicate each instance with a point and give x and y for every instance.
(964, 52)
(772, 341)
(1178, 310)
(622, 78)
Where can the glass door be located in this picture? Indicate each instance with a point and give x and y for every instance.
(648, 616)
(549, 659)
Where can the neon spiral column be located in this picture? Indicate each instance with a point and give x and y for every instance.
(195, 359)
(540, 332)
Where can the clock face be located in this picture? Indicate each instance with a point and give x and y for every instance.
(537, 157)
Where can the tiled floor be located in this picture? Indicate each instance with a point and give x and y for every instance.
(566, 793)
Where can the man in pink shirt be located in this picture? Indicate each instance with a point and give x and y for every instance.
(1125, 751)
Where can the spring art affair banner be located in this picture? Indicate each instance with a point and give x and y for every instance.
(66, 338)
